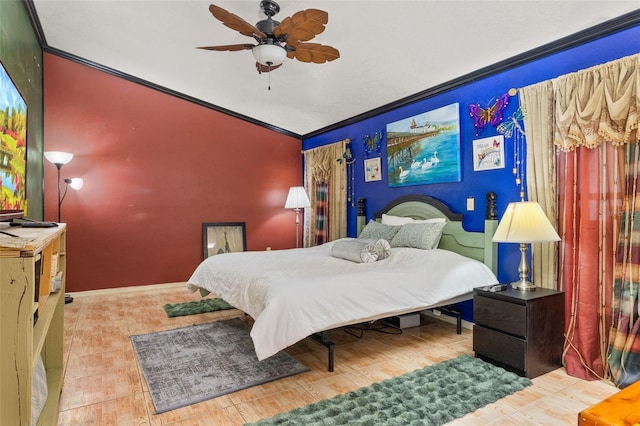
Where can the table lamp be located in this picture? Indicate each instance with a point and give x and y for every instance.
(524, 223)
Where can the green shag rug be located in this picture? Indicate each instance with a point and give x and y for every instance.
(434, 395)
(197, 307)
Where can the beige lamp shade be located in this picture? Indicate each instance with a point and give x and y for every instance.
(525, 222)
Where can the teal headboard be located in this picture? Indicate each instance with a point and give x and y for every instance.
(476, 245)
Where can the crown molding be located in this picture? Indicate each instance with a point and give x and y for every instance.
(606, 28)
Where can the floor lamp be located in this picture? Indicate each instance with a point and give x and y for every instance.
(59, 159)
(296, 200)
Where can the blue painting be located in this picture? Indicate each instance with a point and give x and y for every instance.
(425, 148)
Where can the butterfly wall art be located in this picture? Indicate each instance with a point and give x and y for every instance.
(512, 129)
(372, 143)
(508, 126)
(488, 115)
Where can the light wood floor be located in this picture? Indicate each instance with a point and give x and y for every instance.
(103, 384)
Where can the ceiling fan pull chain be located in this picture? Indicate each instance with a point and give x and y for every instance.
(269, 65)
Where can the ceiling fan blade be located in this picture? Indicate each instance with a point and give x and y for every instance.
(314, 52)
(235, 22)
(265, 68)
(303, 25)
(229, 47)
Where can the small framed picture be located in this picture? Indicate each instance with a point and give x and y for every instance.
(488, 153)
(372, 169)
(223, 237)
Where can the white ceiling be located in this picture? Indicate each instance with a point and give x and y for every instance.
(388, 49)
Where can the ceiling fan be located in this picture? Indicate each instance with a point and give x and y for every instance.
(277, 40)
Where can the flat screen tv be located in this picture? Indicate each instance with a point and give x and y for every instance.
(13, 148)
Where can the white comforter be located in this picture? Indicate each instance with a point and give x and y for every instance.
(292, 294)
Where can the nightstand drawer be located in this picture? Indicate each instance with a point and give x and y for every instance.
(506, 349)
(500, 315)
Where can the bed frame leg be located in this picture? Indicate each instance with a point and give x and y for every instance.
(449, 310)
(330, 358)
(322, 339)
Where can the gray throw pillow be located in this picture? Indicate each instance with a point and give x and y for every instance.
(424, 236)
(383, 247)
(358, 251)
(378, 230)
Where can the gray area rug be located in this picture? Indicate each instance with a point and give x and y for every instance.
(192, 364)
(434, 395)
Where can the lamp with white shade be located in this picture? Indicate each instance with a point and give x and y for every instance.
(524, 223)
(296, 200)
(59, 159)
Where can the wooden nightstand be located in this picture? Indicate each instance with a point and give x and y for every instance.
(520, 331)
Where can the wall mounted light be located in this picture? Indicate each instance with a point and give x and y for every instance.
(296, 200)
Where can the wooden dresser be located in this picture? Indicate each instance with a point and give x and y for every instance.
(620, 409)
(31, 319)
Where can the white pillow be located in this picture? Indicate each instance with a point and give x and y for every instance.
(395, 220)
(400, 220)
(433, 220)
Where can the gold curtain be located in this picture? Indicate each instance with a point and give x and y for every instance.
(322, 166)
(537, 102)
(599, 104)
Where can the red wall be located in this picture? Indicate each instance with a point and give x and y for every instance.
(156, 167)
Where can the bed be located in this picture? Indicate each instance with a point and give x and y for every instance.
(297, 293)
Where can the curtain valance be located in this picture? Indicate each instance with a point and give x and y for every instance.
(598, 104)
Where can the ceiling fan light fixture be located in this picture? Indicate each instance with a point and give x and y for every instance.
(269, 54)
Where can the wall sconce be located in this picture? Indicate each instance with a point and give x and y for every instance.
(296, 200)
(524, 222)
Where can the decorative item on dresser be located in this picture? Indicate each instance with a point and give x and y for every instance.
(35, 254)
(520, 331)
